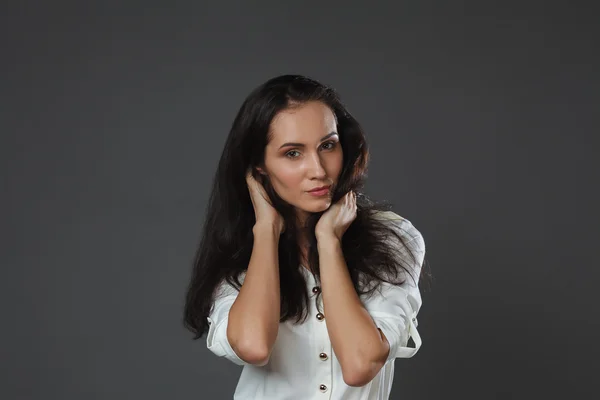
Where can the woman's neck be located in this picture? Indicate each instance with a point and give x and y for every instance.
(302, 234)
(302, 237)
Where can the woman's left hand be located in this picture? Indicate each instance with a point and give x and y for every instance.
(335, 221)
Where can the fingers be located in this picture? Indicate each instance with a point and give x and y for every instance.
(253, 185)
(256, 188)
(348, 202)
(349, 199)
(251, 181)
(351, 196)
(352, 201)
(249, 177)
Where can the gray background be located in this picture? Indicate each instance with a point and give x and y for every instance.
(480, 118)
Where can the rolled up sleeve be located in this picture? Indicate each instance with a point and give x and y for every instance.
(218, 319)
(394, 309)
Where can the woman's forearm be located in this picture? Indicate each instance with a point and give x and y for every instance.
(354, 336)
(254, 316)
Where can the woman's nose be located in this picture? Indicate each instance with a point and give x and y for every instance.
(317, 170)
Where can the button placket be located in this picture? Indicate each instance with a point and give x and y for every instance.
(316, 290)
(322, 357)
(324, 370)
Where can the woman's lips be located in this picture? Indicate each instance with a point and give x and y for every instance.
(320, 192)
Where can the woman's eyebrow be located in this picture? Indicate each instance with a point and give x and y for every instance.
(302, 145)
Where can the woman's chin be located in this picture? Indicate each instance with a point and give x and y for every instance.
(315, 208)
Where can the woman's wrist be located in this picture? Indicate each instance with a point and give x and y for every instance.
(328, 240)
(262, 228)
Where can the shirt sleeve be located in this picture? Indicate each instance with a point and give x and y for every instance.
(395, 310)
(218, 319)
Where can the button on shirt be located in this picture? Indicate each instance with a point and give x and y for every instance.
(302, 364)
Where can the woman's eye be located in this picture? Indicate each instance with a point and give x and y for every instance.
(325, 146)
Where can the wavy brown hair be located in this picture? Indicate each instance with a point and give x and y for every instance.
(226, 243)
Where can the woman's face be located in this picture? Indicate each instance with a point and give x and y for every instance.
(304, 153)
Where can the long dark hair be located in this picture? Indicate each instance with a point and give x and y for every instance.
(226, 244)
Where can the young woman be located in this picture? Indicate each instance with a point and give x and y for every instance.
(299, 277)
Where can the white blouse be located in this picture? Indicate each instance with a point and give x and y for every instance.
(302, 364)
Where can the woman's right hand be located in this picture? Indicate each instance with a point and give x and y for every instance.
(264, 211)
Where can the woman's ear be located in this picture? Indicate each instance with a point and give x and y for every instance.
(261, 171)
